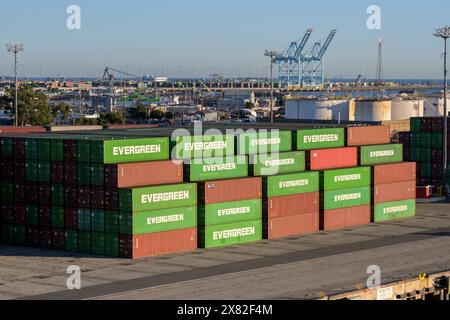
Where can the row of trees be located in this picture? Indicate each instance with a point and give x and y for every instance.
(34, 110)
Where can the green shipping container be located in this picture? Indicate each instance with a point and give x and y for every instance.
(84, 174)
(157, 198)
(147, 222)
(394, 210)
(296, 183)
(57, 195)
(31, 149)
(84, 219)
(135, 150)
(44, 149)
(416, 124)
(31, 171)
(229, 234)
(320, 138)
(264, 142)
(44, 171)
(83, 151)
(84, 242)
(427, 139)
(204, 146)
(97, 220)
(20, 236)
(58, 217)
(71, 241)
(111, 222)
(339, 199)
(97, 175)
(32, 215)
(6, 147)
(437, 140)
(415, 154)
(98, 243)
(425, 155)
(216, 168)
(345, 178)
(426, 169)
(276, 164)
(380, 154)
(57, 150)
(7, 191)
(8, 234)
(111, 244)
(416, 139)
(229, 212)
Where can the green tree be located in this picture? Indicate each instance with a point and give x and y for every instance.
(63, 109)
(112, 118)
(249, 105)
(169, 115)
(156, 114)
(32, 106)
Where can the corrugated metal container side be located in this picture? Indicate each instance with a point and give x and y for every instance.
(363, 136)
(135, 150)
(394, 191)
(345, 178)
(394, 210)
(145, 222)
(216, 168)
(381, 154)
(337, 199)
(290, 184)
(333, 158)
(159, 197)
(264, 142)
(155, 244)
(291, 205)
(282, 227)
(229, 234)
(280, 163)
(320, 138)
(343, 218)
(391, 173)
(202, 146)
(145, 173)
(230, 190)
(229, 212)
(11, 129)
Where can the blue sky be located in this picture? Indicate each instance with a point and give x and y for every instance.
(200, 37)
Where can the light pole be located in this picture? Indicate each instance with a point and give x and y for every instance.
(15, 49)
(444, 33)
(271, 55)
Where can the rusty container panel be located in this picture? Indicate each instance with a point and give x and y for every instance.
(343, 218)
(390, 192)
(156, 244)
(230, 190)
(333, 158)
(296, 204)
(371, 135)
(295, 225)
(391, 173)
(11, 129)
(146, 173)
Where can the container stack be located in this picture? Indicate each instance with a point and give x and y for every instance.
(393, 181)
(229, 203)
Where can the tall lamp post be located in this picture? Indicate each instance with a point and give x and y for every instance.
(271, 55)
(444, 33)
(15, 49)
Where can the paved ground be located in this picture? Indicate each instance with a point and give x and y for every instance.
(295, 268)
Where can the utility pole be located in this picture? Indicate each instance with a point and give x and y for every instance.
(380, 66)
(444, 33)
(15, 49)
(271, 55)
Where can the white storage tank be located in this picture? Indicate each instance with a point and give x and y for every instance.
(316, 108)
(373, 110)
(405, 108)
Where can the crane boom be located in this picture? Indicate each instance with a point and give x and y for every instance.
(302, 44)
(326, 45)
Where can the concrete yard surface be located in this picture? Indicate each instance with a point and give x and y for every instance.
(303, 267)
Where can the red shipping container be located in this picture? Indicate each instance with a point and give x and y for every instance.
(230, 190)
(70, 150)
(394, 191)
(57, 172)
(8, 168)
(370, 135)
(84, 197)
(295, 225)
(19, 170)
(111, 199)
(70, 196)
(18, 145)
(7, 214)
(45, 217)
(58, 239)
(97, 197)
(31, 193)
(70, 172)
(343, 218)
(32, 237)
(155, 244)
(19, 192)
(333, 158)
(144, 174)
(70, 218)
(20, 214)
(391, 173)
(11, 129)
(45, 194)
(424, 192)
(276, 207)
(46, 236)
